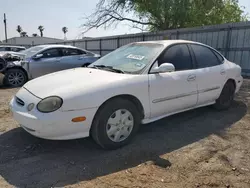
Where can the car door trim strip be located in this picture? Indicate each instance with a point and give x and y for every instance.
(174, 97)
(185, 95)
(209, 89)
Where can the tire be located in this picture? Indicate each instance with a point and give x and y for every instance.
(3, 64)
(109, 112)
(226, 97)
(15, 77)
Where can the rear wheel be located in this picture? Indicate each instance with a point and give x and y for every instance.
(15, 78)
(226, 97)
(115, 124)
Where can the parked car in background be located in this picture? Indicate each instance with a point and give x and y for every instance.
(11, 48)
(138, 83)
(7, 57)
(44, 59)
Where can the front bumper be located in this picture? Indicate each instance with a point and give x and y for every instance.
(56, 125)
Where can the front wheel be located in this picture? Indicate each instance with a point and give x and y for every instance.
(15, 78)
(226, 97)
(115, 124)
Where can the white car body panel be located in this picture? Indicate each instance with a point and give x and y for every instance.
(56, 125)
(167, 91)
(98, 84)
(84, 90)
(210, 82)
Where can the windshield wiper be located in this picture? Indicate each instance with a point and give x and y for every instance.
(110, 68)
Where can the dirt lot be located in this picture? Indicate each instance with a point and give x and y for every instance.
(199, 148)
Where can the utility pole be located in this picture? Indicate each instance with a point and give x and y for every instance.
(5, 27)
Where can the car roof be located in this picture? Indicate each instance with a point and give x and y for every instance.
(56, 46)
(12, 46)
(170, 42)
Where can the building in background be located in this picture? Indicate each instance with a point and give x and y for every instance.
(31, 41)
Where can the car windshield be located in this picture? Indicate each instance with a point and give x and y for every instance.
(32, 51)
(132, 58)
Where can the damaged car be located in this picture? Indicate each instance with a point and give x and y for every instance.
(41, 60)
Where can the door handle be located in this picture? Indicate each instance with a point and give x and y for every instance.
(222, 72)
(191, 78)
(80, 58)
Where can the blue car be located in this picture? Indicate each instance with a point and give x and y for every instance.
(44, 59)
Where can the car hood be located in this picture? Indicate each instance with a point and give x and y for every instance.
(74, 82)
(4, 53)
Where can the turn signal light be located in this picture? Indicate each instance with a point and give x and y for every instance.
(78, 119)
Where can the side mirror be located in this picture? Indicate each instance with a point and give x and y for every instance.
(38, 56)
(164, 67)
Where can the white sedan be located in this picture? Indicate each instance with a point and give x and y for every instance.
(136, 84)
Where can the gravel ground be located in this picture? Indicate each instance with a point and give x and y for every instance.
(199, 148)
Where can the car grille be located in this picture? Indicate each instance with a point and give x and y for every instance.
(20, 101)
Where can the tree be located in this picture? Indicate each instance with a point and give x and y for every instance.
(23, 34)
(34, 35)
(19, 29)
(157, 15)
(41, 29)
(64, 30)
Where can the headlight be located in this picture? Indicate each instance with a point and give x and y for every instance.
(49, 104)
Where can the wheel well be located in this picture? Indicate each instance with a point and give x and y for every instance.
(131, 98)
(20, 68)
(233, 81)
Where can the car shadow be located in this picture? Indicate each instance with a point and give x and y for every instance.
(26, 161)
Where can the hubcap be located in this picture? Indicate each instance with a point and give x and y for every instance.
(120, 125)
(16, 78)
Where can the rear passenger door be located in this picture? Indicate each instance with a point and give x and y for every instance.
(210, 73)
(73, 58)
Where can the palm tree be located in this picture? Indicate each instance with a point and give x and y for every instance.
(41, 29)
(23, 34)
(34, 35)
(64, 30)
(19, 29)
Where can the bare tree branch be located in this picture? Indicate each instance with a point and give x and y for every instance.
(106, 16)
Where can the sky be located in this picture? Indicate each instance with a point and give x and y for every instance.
(55, 14)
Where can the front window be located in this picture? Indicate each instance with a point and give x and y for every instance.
(32, 51)
(179, 56)
(132, 58)
(50, 53)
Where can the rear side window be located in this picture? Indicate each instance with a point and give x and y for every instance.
(179, 56)
(221, 59)
(205, 57)
(71, 51)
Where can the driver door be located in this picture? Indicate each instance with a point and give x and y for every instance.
(48, 63)
(171, 92)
